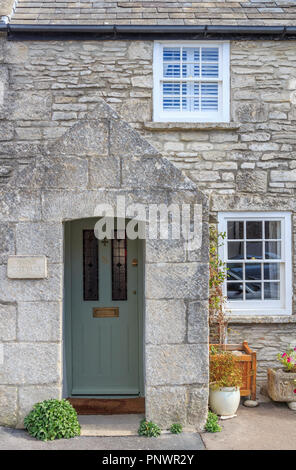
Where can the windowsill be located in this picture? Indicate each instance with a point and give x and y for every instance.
(261, 319)
(189, 126)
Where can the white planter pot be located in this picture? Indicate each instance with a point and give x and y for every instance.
(224, 401)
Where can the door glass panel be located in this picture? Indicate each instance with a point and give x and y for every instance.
(119, 268)
(90, 266)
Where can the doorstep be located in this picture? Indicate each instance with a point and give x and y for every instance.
(110, 425)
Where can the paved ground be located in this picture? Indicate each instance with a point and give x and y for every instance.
(270, 426)
(14, 439)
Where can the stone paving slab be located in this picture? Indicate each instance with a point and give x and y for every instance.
(110, 425)
(15, 439)
(270, 426)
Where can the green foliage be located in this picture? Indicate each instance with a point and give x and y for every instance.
(176, 428)
(213, 350)
(218, 274)
(288, 359)
(52, 419)
(149, 429)
(212, 423)
(225, 371)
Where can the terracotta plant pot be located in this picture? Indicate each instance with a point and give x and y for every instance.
(224, 401)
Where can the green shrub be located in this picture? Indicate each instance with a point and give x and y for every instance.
(149, 429)
(212, 423)
(176, 428)
(52, 419)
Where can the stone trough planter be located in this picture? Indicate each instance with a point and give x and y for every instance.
(281, 386)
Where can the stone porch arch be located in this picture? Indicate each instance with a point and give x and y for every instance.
(97, 159)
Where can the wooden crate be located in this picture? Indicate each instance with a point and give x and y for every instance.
(248, 364)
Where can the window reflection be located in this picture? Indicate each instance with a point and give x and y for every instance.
(235, 230)
(253, 230)
(253, 290)
(235, 250)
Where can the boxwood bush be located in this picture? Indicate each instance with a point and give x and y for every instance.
(52, 419)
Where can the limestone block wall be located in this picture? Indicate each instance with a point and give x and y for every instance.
(51, 180)
(248, 164)
(267, 339)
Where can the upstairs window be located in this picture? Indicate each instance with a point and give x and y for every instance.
(191, 82)
(257, 252)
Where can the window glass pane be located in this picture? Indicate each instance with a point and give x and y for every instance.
(191, 54)
(272, 290)
(271, 271)
(272, 229)
(234, 291)
(119, 268)
(171, 54)
(235, 230)
(272, 250)
(90, 266)
(253, 290)
(171, 70)
(210, 62)
(210, 54)
(254, 250)
(209, 70)
(171, 103)
(254, 230)
(191, 65)
(209, 96)
(190, 96)
(235, 250)
(253, 271)
(235, 271)
(169, 88)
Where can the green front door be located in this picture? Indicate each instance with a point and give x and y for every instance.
(104, 350)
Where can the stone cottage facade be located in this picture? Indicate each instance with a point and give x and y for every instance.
(160, 114)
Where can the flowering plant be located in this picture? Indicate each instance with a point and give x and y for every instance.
(288, 359)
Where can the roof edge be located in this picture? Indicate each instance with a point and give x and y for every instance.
(70, 31)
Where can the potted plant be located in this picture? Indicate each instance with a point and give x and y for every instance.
(225, 383)
(281, 384)
(218, 318)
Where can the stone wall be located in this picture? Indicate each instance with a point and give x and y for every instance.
(52, 180)
(248, 164)
(267, 339)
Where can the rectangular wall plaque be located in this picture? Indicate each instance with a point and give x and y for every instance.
(27, 267)
(106, 312)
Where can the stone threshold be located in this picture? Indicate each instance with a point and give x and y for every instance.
(117, 425)
(110, 425)
(191, 126)
(262, 319)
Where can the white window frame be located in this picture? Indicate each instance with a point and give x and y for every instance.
(263, 307)
(223, 113)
